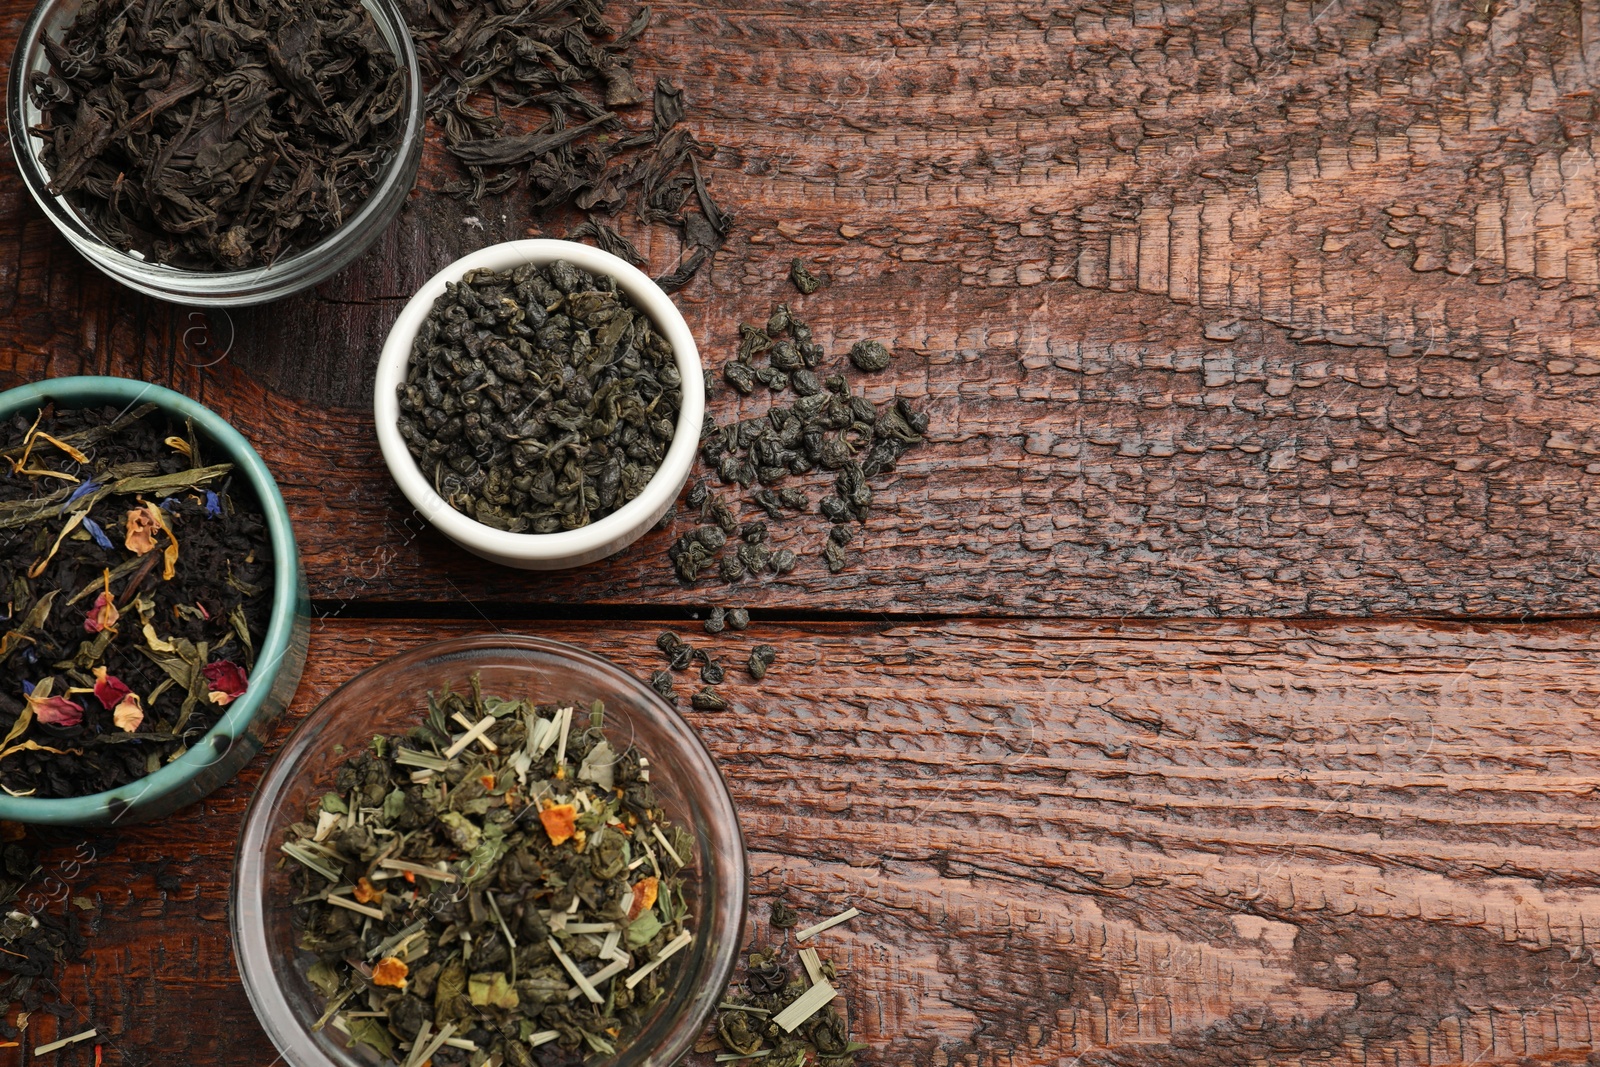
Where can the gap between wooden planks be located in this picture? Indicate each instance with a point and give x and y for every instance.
(1152, 843)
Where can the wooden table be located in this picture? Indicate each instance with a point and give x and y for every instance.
(1217, 686)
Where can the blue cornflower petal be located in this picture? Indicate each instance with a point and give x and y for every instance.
(31, 656)
(170, 504)
(79, 492)
(213, 505)
(27, 687)
(98, 534)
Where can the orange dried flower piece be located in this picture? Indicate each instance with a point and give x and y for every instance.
(391, 972)
(644, 896)
(141, 535)
(560, 821)
(487, 780)
(366, 892)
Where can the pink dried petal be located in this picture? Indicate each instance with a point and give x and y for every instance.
(227, 681)
(109, 689)
(55, 711)
(103, 616)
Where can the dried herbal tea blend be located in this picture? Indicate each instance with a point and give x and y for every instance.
(498, 884)
(218, 136)
(136, 586)
(539, 399)
(541, 94)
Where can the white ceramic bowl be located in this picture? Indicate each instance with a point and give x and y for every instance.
(569, 548)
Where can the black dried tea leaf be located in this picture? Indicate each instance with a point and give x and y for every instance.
(661, 682)
(540, 94)
(716, 620)
(538, 399)
(707, 699)
(738, 619)
(515, 882)
(741, 377)
(761, 658)
(666, 641)
(803, 279)
(753, 532)
(731, 568)
(783, 561)
(841, 535)
(712, 672)
(835, 510)
(138, 585)
(805, 382)
(834, 556)
(697, 495)
(217, 136)
(768, 502)
(870, 355)
(783, 916)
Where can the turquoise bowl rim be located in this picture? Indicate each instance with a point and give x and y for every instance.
(101, 389)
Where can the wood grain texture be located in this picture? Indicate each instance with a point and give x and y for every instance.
(1134, 845)
(1219, 308)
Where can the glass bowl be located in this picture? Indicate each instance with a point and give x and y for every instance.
(390, 698)
(568, 548)
(289, 274)
(240, 733)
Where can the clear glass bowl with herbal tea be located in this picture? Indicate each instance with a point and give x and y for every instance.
(392, 698)
(154, 602)
(540, 402)
(217, 175)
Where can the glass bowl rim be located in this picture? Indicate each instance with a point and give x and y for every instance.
(279, 1020)
(209, 285)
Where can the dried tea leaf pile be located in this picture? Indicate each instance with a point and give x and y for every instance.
(540, 94)
(218, 135)
(498, 885)
(32, 947)
(539, 399)
(682, 656)
(135, 586)
(828, 427)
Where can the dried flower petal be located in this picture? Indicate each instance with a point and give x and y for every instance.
(366, 892)
(560, 821)
(227, 681)
(129, 714)
(98, 534)
(390, 971)
(141, 535)
(103, 616)
(644, 896)
(109, 689)
(55, 711)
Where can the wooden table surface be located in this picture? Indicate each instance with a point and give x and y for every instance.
(1218, 684)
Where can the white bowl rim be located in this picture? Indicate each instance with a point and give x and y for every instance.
(620, 525)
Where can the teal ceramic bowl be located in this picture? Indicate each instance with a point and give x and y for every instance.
(239, 735)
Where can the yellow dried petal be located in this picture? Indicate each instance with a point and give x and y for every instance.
(129, 714)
